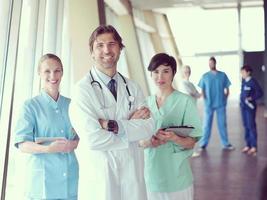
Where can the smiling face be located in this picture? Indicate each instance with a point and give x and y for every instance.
(106, 52)
(50, 72)
(162, 77)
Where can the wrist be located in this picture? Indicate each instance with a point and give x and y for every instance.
(112, 126)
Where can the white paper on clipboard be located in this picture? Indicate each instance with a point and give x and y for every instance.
(40, 140)
(182, 131)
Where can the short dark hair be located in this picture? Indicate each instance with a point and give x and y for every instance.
(247, 68)
(213, 59)
(104, 29)
(162, 59)
(49, 56)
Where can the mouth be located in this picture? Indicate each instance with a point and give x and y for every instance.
(109, 57)
(53, 82)
(160, 82)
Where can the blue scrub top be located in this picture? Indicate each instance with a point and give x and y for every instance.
(213, 85)
(50, 175)
(250, 88)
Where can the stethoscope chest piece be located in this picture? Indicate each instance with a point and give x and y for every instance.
(131, 99)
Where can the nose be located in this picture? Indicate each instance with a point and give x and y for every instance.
(106, 48)
(160, 75)
(52, 75)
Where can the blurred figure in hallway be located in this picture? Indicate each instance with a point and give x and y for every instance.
(250, 92)
(186, 86)
(215, 90)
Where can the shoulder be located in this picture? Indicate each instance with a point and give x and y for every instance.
(65, 99)
(221, 73)
(206, 75)
(84, 81)
(181, 96)
(32, 103)
(133, 85)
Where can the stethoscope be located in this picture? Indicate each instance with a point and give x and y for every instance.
(130, 97)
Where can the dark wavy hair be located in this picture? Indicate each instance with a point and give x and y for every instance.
(162, 59)
(105, 29)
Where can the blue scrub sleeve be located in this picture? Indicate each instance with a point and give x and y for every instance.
(227, 82)
(25, 125)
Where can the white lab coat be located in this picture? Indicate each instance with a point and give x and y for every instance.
(111, 166)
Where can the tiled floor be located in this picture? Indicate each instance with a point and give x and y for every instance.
(230, 175)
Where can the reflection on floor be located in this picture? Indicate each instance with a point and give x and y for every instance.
(230, 175)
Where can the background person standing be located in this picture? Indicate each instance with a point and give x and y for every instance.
(250, 92)
(215, 90)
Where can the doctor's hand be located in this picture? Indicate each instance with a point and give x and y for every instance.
(141, 113)
(103, 123)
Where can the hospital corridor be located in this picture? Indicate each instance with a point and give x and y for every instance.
(133, 99)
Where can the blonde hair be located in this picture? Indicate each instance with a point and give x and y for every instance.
(49, 56)
(186, 67)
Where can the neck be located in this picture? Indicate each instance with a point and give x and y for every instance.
(186, 78)
(163, 94)
(108, 71)
(52, 93)
(213, 69)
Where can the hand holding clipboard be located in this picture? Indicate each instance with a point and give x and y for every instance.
(182, 131)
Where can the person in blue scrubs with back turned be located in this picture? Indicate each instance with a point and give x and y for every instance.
(215, 90)
(44, 132)
(250, 92)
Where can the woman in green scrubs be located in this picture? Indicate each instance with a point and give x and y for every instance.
(168, 173)
(44, 132)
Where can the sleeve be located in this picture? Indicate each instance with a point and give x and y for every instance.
(194, 91)
(191, 117)
(258, 91)
(227, 82)
(85, 121)
(24, 129)
(138, 129)
(201, 83)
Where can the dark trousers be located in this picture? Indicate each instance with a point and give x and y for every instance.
(249, 122)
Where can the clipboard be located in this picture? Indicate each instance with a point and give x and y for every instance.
(182, 131)
(40, 140)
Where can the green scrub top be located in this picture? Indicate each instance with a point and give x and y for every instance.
(49, 175)
(167, 167)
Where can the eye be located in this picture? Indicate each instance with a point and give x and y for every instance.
(166, 71)
(112, 43)
(58, 70)
(47, 71)
(100, 45)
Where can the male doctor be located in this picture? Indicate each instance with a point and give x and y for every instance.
(108, 113)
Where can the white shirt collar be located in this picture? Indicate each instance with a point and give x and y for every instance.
(105, 78)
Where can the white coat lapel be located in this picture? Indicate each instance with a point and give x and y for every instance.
(110, 103)
(122, 99)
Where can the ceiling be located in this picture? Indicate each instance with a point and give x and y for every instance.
(205, 4)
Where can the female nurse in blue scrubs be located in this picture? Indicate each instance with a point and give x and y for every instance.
(250, 92)
(168, 173)
(44, 132)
